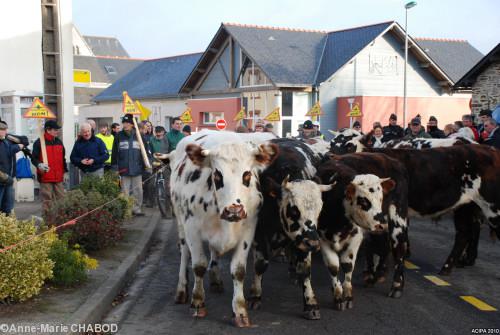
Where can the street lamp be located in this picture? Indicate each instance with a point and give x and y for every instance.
(409, 5)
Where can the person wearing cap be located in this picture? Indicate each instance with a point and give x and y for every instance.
(8, 152)
(307, 131)
(89, 153)
(484, 115)
(392, 131)
(433, 130)
(416, 130)
(357, 126)
(127, 159)
(259, 127)
(108, 139)
(186, 130)
(316, 128)
(175, 135)
(51, 174)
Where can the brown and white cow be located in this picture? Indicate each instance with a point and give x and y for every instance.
(453, 179)
(215, 196)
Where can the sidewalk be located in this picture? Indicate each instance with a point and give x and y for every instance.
(88, 302)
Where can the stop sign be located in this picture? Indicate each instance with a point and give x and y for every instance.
(221, 124)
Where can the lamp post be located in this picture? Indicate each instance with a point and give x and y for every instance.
(409, 5)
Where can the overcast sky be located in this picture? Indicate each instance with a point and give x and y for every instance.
(160, 28)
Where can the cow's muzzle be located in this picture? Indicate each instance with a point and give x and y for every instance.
(308, 241)
(381, 226)
(233, 213)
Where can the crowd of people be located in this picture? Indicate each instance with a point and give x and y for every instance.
(97, 151)
(94, 153)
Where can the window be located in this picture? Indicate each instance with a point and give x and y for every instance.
(251, 74)
(27, 100)
(212, 117)
(110, 69)
(287, 103)
(5, 100)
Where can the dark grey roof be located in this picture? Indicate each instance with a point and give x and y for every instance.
(157, 78)
(454, 57)
(470, 77)
(287, 56)
(343, 45)
(105, 69)
(106, 46)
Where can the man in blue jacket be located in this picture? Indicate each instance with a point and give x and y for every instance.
(126, 158)
(8, 152)
(89, 153)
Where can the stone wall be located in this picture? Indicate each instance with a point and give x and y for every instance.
(486, 89)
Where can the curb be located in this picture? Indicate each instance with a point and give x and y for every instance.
(99, 303)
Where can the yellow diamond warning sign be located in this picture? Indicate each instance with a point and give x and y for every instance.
(128, 105)
(241, 115)
(38, 110)
(355, 111)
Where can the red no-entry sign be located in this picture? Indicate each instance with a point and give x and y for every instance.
(221, 124)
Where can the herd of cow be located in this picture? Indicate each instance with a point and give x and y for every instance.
(242, 191)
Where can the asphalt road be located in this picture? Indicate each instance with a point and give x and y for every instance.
(425, 307)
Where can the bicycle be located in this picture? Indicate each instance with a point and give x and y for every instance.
(162, 191)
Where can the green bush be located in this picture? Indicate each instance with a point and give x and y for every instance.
(70, 264)
(107, 185)
(24, 268)
(100, 228)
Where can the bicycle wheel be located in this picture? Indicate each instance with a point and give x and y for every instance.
(163, 198)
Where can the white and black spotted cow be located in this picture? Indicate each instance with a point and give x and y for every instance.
(215, 199)
(362, 199)
(350, 141)
(288, 217)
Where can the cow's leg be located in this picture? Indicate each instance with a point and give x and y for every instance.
(347, 262)
(462, 220)
(199, 264)
(311, 307)
(181, 294)
(469, 256)
(238, 271)
(215, 280)
(260, 263)
(377, 249)
(398, 234)
(332, 262)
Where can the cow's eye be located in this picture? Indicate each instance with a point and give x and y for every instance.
(218, 180)
(293, 212)
(247, 176)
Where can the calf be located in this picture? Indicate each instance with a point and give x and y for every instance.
(216, 199)
(460, 179)
(377, 203)
(292, 203)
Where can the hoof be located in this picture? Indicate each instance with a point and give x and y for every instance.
(241, 321)
(312, 314)
(445, 271)
(217, 287)
(349, 304)
(368, 279)
(338, 305)
(396, 293)
(254, 303)
(199, 312)
(181, 297)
